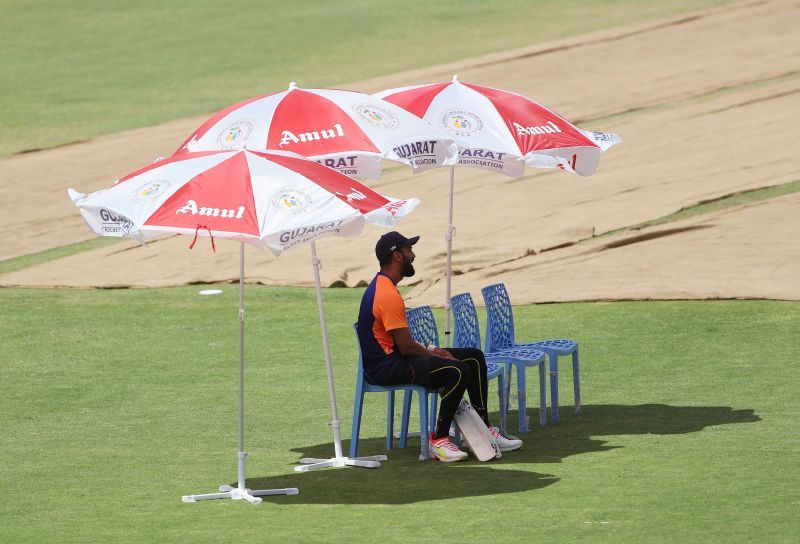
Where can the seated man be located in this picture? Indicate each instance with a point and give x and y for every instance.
(392, 357)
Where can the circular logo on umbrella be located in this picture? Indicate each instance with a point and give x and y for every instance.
(291, 201)
(234, 134)
(376, 116)
(150, 190)
(461, 122)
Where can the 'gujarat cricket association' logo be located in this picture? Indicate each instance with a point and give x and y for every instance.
(376, 116)
(150, 190)
(113, 223)
(235, 134)
(461, 122)
(291, 201)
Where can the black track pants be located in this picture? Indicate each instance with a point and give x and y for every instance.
(452, 378)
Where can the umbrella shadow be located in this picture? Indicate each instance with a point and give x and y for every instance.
(400, 480)
(403, 479)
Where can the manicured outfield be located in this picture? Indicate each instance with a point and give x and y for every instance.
(116, 403)
(76, 70)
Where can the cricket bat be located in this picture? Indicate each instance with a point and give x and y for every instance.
(475, 433)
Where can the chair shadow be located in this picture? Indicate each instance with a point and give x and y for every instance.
(622, 419)
(574, 435)
(403, 479)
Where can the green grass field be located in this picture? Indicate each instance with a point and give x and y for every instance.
(76, 70)
(118, 402)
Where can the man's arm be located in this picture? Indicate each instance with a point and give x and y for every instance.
(411, 348)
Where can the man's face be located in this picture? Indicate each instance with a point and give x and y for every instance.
(407, 255)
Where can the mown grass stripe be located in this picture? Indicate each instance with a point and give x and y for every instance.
(32, 259)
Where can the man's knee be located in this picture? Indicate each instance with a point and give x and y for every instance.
(465, 371)
(477, 354)
(468, 353)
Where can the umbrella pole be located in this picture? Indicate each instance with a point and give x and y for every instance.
(451, 230)
(242, 454)
(308, 463)
(241, 492)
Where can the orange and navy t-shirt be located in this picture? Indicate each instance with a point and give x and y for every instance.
(382, 311)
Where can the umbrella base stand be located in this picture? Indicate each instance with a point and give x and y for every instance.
(249, 495)
(309, 463)
(240, 492)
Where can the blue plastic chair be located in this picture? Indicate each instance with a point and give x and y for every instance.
(362, 387)
(500, 335)
(422, 325)
(468, 335)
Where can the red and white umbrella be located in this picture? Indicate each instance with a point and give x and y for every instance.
(270, 200)
(345, 130)
(502, 132)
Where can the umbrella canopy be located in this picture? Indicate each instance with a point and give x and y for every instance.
(269, 200)
(345, 130)
(502, 131)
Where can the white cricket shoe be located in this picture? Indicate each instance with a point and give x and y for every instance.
(505, 444)
(444, 450)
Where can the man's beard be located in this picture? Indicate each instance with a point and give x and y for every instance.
(408, 268)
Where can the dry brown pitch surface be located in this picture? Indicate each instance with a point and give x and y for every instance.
(708, 105)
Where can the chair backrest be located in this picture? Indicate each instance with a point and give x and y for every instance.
(422, 325)
(499, 317)
(358, 343)
(467, 330)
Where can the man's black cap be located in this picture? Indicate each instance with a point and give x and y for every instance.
(390, 242)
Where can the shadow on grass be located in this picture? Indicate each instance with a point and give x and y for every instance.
(621, 419)
(576, 434)
(403, 479)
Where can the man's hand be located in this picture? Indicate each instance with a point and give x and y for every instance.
(443, 353)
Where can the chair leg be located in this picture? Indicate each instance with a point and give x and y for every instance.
(507, 388)
(553, 356)
(542, 395)
(407, 394)
(521, 401)
(576, 381)
(389, 419)
(501, 387)
(358, 404)
(423, 426)
(432, 412)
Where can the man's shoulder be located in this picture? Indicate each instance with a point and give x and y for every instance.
(386, 290)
